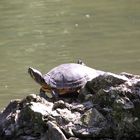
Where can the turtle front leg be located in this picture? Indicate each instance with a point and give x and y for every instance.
(42, 94)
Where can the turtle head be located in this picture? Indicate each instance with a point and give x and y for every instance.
(36, 75)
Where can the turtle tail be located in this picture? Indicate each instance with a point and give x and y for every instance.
(36, 75)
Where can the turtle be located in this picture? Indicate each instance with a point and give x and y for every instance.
(64, 79)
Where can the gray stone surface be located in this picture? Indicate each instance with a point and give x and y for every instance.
(108, 107)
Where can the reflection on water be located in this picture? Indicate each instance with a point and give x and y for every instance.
(45, 33)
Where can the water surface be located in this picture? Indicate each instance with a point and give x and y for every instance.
(45, 33)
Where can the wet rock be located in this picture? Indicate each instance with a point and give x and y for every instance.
(106, 108)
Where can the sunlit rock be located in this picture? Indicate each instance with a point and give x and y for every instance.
(107, 107)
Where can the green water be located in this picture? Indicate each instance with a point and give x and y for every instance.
(45, 33)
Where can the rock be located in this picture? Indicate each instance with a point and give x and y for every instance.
(54, 132)
(106, 108)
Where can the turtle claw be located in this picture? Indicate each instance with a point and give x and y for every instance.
(55, 95)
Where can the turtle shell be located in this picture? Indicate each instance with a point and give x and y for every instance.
(70, 76)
